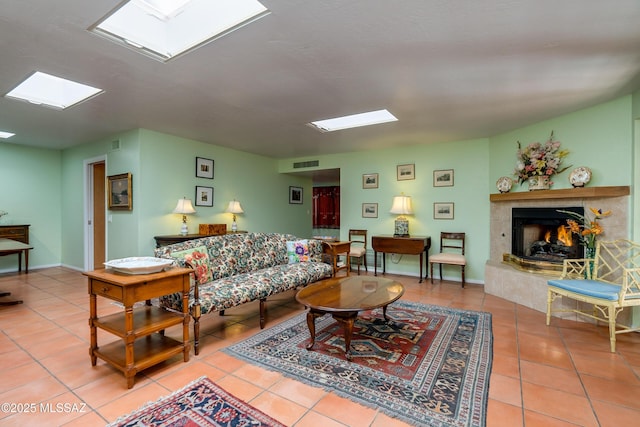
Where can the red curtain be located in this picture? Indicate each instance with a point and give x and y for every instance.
(326, 207)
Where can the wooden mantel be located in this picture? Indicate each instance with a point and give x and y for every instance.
(565, 193)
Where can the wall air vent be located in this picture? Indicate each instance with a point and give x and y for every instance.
(115, 145)
(309, 164)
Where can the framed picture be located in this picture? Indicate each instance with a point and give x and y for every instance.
(443, 178)
(295, 195)
(204, 196)
(443, 210)
(204, 168)
(369, 210)
(406, 172)
(119, 189)
(370, 180)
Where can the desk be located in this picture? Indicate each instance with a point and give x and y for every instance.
(141, 330)
(415, 245)
(14, 239)
(334, 250)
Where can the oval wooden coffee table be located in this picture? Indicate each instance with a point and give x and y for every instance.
(344, 298)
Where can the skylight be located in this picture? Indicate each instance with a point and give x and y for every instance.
(165, 29)
(45, 89)
(6, 135)
(354, 120)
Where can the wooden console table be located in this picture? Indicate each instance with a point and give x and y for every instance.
(14, 239)
(414, 245)
(143, 343)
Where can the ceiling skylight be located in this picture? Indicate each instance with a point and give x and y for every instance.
(6, 135)
(354, 120)
(165, 29)
(51, 91)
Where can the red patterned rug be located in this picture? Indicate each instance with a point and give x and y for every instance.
(428, 366)
(199, 404)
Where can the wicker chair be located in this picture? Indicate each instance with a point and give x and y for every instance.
(608, 283)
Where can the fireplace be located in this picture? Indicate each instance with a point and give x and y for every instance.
(541, 238)
(528, 286)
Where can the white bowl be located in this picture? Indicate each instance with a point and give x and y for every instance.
(139, 265)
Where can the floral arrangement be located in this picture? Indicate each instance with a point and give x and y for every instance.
(538, 159)
(587, 229)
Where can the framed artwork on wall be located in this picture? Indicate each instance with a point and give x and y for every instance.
(204, 168)
(119, 189)
(443, 210)
(370, 180)
(204, 196)
(295, 195)
(405, 172)
(369, 210)
(443, 178)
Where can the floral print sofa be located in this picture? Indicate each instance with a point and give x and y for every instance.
(234, 269)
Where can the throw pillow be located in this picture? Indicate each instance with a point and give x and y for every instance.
(298, 251)
(198, 259)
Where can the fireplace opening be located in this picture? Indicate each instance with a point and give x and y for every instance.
(541, 237)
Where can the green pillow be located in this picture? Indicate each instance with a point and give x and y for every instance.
(198, 259)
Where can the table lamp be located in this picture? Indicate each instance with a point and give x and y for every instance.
(185, 208)
(234, 208)
(401, 206)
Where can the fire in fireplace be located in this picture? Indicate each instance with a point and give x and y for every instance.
(541, 238)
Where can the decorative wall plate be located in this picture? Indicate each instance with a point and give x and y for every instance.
(580, 176)
(504, 184)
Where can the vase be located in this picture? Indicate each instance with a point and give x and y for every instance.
(538, 182)
(589, 253)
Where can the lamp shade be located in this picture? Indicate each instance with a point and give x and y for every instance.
(184, 207)
(234, 207)
(401, 205)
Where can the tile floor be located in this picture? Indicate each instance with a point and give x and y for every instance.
(563, 375)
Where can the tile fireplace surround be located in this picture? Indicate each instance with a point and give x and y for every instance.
(530, 288)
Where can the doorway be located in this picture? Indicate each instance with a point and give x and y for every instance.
(95, 214)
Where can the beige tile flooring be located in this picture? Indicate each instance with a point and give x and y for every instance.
(563, 375)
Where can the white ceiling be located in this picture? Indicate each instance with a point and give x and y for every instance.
(449, 70)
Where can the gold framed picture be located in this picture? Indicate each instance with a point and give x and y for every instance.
(119, 192)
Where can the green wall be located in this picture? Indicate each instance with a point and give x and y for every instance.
(46, 187)
(163, 171)
(30, 193)
(468, 159)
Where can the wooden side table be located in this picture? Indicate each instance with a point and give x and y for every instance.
(334, 250)
(16, 240)
(414, 245)
(143, 343)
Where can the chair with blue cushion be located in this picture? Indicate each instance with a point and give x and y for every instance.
(609, 282)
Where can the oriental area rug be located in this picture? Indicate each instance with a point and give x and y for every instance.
(427, 366)
(200, 403)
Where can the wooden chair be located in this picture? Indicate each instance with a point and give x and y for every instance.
(608, 283)
(358, 240)
(450, 244)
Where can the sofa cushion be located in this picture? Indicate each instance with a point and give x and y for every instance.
(298, 251)
(198, 259)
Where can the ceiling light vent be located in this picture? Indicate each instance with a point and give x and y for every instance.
(309, 164)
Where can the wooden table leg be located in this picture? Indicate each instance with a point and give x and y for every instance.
(347, 320)
(93, 315)
(311, 324)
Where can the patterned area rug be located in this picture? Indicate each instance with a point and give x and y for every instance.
(428, 366)
(202, 404)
